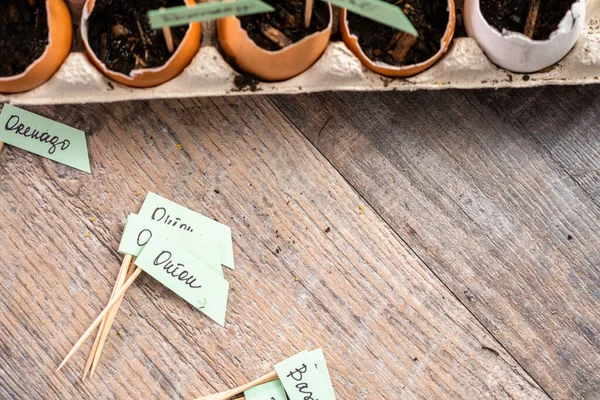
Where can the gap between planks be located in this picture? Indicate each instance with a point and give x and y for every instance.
(401, 238)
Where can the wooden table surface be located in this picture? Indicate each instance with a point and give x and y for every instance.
(471, 272)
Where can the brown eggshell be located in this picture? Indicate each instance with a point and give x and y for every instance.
(390, 70)
(60, 34)
(271, 65)
(148, 77)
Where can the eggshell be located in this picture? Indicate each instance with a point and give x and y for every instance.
(393, 71)
(60, 35)
(268, 65)
(515, 51)
(148, 77)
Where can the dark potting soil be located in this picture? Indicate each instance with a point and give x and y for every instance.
(287, 19)
(245, 82)
(459, 29)
(119, 34)
(512, 15)
(23, 34)
(430, 19)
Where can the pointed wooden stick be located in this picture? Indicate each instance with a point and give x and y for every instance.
(168, 36)
(1, 145)
(88, 363)
(534, 7)
(111, 303)
(308, 9)
(271, 376)
(121, 276)
(110, 317)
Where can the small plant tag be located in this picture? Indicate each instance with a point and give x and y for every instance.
(183, 15)
(44, 137)
(379, 11)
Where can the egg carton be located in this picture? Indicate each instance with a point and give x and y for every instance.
(464, 66)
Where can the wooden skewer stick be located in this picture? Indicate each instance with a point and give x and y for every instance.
(120, 279)
(168, 36)
(106, 321)
(534, 7)
(271, 376)
(111, 303)
(1, 145)
(110, 317)
(308, 12)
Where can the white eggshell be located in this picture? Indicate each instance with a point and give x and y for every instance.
(515, 51)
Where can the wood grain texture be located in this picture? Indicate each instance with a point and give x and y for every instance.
(388, 327)
(498, 193)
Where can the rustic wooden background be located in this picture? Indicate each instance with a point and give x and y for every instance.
(472, 271)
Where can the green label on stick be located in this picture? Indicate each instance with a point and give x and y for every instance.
(321, 364)
(303, 377)
(166, 212)
(380, 11)
(139, 230)
(183, 15)
(185, 275)
(44, 137)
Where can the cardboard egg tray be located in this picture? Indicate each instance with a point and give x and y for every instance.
(464, 66)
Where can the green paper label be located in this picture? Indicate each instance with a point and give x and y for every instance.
(139, 231)
(183, 15)
(268, 391)
(185, 275)
(379, 11)
(302, 379)
(169, 213)
(44, 137)
(321, 364)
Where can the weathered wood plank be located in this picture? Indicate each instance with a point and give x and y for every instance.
(498, 193)
(389, 328)
(566, 129)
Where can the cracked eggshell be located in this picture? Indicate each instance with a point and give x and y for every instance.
(393, 71)
(148, 77)
(271, 65)
(518, 53)
(60, 35)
